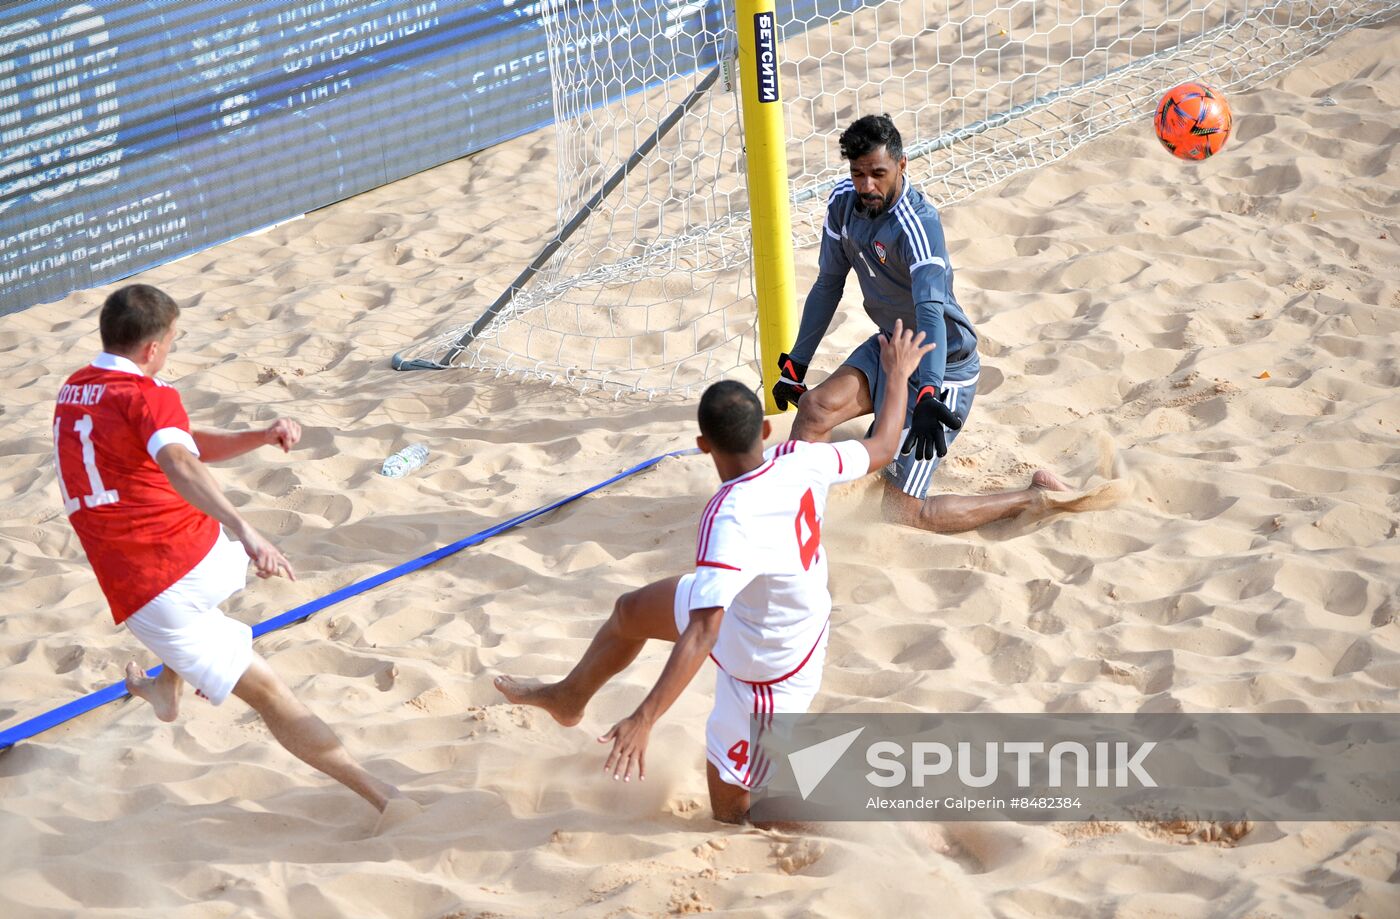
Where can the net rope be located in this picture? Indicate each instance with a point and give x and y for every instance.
(655, 293)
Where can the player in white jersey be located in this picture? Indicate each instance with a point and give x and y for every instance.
(757, 602)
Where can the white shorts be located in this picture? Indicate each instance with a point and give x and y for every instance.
(727, 733)
(185, 628)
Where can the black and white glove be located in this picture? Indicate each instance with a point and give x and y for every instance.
(926, 431)
(789, 387)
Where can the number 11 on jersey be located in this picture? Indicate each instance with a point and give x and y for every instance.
(101, 494)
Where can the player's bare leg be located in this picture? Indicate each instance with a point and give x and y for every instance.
(305, 736)
(648, 612)
(839, 398)
(162, 691)
(730, 804)
(960, 513)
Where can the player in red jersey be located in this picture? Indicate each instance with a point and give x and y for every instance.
(757, 603)
(148, 515)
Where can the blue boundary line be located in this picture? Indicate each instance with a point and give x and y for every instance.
(54, 717)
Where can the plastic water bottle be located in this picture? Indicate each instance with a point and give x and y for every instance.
(405, 461)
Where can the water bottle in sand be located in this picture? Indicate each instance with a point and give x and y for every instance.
(405, 461)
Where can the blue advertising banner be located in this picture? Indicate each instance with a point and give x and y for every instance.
(136, 131)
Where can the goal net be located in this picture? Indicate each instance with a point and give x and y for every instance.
(653, 291)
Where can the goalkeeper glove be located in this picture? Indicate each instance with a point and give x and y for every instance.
(926, 431)
(789, 387)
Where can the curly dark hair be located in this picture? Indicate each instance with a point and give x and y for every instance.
(869, 133)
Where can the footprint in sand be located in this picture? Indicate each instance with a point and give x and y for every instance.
(397, 812)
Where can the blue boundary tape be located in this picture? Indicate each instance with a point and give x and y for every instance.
(50, 719)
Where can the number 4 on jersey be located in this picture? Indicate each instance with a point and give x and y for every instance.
(809, 530)
(739, 754)
(101, 494)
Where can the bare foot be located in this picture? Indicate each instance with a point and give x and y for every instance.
(1044, 478)
(540, 695)
(1052, 497)
(162, 692)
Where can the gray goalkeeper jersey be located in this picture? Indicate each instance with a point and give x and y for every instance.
(901, 261)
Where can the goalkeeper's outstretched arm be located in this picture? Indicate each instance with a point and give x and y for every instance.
(817, 313)
(816, 319)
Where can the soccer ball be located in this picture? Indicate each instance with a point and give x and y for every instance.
(1193, 121)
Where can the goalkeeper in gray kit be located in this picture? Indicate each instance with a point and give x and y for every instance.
(882, 228)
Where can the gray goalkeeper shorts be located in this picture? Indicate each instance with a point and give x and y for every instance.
(959, 389)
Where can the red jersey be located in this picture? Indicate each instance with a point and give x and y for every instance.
(139, 534)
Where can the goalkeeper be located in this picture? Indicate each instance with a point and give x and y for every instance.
(880, 225)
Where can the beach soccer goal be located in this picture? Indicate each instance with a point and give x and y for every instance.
(649, 286)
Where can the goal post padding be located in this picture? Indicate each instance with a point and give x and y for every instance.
(765, 145)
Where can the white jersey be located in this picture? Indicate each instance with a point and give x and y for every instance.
(760, 557)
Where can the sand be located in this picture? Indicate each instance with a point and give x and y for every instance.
(1225, 332)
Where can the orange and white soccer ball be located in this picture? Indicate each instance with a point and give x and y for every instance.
(1193, 121)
